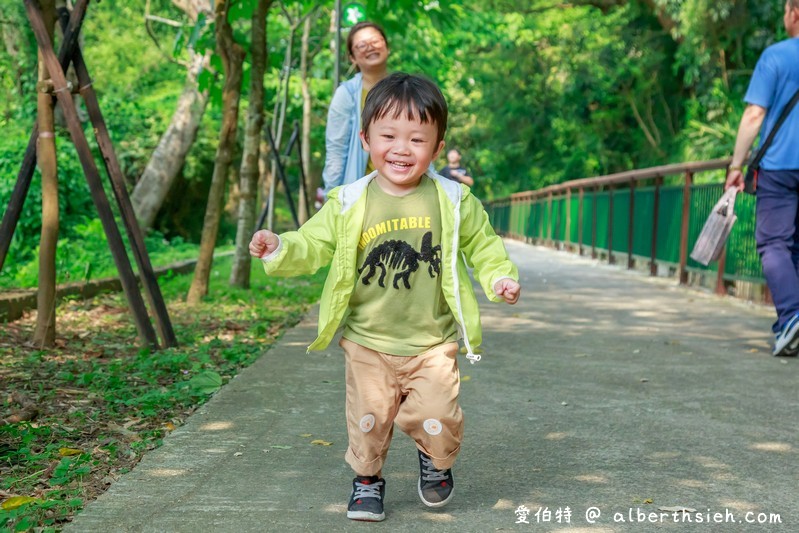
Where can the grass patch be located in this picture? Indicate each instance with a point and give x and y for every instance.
(88, 257)
(101, 400)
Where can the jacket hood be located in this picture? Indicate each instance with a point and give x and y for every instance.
(349, 194)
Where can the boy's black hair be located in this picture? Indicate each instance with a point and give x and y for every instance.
(398, 93)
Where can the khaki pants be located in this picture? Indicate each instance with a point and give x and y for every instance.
(419, 394)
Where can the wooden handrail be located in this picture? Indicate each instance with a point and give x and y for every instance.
(549, 229)
(625, 177)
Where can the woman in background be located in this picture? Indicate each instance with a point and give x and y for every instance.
(345, 159)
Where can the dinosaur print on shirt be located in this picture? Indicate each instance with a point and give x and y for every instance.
(403, 258)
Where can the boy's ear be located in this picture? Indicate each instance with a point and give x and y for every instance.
(438, 151)
(364, 140)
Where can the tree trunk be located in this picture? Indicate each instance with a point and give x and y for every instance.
(278, 120)
(232, 56)
(44, 333)
(169, 156)
(248, 183)
(305, 133)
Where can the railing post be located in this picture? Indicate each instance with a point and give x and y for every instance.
(631, 225)
(686, 219)
(531, 221)
(523, 219)
(653, 265)
(556, 232)
(593, 225)
(542, 223)
(513, 218)
(548, 235)
(567, 235)
(611, 259)
(581, 196)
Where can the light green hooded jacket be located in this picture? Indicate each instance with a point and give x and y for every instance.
(331, 236)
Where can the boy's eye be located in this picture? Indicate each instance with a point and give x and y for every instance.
(418, 140)
(387, 136)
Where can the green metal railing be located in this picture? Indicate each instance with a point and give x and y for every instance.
(652, 214)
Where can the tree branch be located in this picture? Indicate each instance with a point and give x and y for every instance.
(648, 134)
(666, 22)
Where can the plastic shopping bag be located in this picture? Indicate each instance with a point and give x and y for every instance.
(717, 229)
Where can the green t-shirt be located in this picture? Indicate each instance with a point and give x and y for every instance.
(397, 306)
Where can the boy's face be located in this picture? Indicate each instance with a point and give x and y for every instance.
(401, 151)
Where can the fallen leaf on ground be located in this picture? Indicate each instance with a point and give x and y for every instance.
(66, 452)
(320, 442)
(17, 501)
(306, 435)
(128, 434)
(466, 378)
(279, 447)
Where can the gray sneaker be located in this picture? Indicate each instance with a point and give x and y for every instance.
(435, 486)
(786, 343)
(366, 500)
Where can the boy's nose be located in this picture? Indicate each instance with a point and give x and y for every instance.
(401, 147)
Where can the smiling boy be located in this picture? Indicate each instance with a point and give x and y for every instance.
(399, 242)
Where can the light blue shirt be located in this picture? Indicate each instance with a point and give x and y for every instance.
(345, 158)
(774, 82)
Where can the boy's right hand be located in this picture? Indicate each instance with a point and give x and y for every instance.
(263, 243)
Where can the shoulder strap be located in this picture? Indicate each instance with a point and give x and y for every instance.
(783, 115)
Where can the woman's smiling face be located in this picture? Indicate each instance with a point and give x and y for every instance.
(368, 49)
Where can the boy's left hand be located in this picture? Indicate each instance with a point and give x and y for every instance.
(508, 289)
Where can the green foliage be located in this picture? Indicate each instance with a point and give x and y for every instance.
(539, 92)
(86, 256)
(17, 79)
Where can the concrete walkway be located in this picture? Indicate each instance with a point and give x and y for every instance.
(603, 391)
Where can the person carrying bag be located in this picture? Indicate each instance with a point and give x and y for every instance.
(774, 173)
